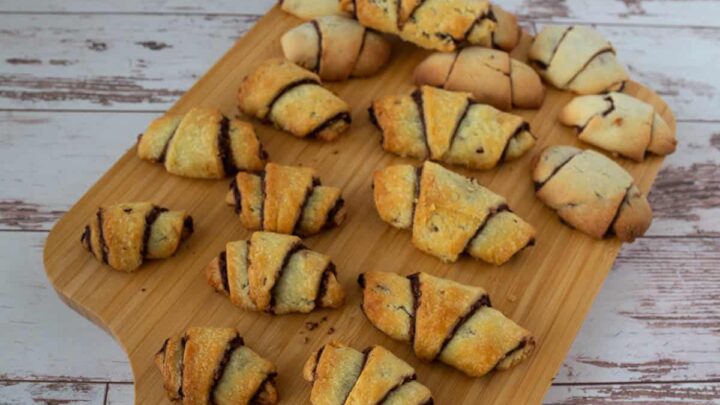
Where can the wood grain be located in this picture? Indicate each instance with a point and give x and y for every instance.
(169, 300)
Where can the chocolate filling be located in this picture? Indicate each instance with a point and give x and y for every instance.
(183, 342)
(397, 386)
(609, 109)
(521, 345)
(330, 219)
(323, 286)
(287, 88)
(222, 266)
(163, 154)
(611, 228)
(164, 346)
(428, 402)
(416, 192)
(85, 238)
(589, 61)
(225, 148)
(263, 197)
(236, 196)
(376, 124)
(483, 301)
(481, 227)
(522, 128)
(459, 123)
(232, 345)
(417, 97)
(189, 224)
(545, 66)
(417, 294)
(269, 379)
(101, 237)
(150, 219)
(318, 356)
(318, 58)
(308, 192)
(540, 184)
(279, 273)
(341, 116)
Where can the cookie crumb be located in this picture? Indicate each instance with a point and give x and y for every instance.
(311, 326)
(512, 297)
(306, 340)
(143, 289)
(323, 319)
(331, 330)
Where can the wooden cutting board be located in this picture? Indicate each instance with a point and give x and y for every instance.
(548, 288)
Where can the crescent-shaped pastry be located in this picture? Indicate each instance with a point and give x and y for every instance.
(124, 235)
(285, 199)
(492, 77)
(336, 48)
(449, 214)
(202, 144)
(450, 127)
(293, 99)
(620, 124)
(309, 9)
(213, 366)
(577, 58)
(341, 375)
(444, 320)
(275, 273)
(591, 193)
(441, 25)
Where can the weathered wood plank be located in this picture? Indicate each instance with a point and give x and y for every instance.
(655, 319)
(55, 393)
(42, 338)
(668, 12)
(120, 394)
(81, 146)
(656, 394)
(76, 62)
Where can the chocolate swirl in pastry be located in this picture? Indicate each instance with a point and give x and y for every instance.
(450, 127)
(578, 59)
(275, 273)
(341, 375)
(285, 199)
(441, 25)
(592, 193)
(293, 99)
(492, 77)
(449, 214)
(444, 320)
(213, 366)
(620, 124)
(202, 144)
(309, 9)
(124, 235)
(336, 48)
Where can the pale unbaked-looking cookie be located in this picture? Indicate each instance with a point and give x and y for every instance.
(591, 193)
(620, 124)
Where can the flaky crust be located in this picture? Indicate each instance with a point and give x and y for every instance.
(124, 235)
(592, 193)
(213, 366)
(438, 24)
(451, 214)
(285, 199)
(620, 124)
(444, 320)
(491, 76)
(275, 273)
(448, 126)
(293, 99)
(309, 9)
(336, 48)
(577, 58)
(342, 375)
(202, 144)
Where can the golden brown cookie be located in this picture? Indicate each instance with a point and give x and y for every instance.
(577, 58)
(124, 235)
(309, 9)
(620, 124)
(342, 375)
(285, 199)
(203, 143)
(441, 25)
(444, 320)
(336, 48)
(450, 127)
(275, 273)
(591, 193)
(293, 99)
(213, 366)
(491, 76)
(449, 214)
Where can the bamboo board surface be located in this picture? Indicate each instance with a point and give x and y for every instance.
(548, 289)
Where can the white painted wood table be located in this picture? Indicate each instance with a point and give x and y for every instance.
(79, 78)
